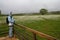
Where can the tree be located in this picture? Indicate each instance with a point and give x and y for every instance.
(43, 11)
(0, 12)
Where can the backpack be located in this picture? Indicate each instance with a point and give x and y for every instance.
(7, 20)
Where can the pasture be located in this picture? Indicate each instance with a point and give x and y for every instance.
(48, 24)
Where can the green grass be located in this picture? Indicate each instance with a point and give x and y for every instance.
(3, 31)
(3, 27)
(47, 26)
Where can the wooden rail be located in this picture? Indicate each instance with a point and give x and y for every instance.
(48, 37)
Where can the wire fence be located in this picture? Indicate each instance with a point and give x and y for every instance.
(3, 29)
(25, 33)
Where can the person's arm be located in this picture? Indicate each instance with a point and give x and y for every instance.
(9, 19)
(13, 20)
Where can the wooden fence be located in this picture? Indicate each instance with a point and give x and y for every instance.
(34, 33)
(23, 33)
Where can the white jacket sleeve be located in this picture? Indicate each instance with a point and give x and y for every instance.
(11, 20)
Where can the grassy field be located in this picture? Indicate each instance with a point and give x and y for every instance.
(3, 27)
(48, 24)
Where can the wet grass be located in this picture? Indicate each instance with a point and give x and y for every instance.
(47, 26)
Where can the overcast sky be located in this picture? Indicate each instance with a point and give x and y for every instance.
(28, 6)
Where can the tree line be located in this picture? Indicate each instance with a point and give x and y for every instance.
(42, 11)
(0, 12)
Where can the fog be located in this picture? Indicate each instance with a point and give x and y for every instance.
(28, 6)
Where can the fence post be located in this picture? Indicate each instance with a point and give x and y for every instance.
(34, 36)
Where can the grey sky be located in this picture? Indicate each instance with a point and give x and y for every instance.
(28, 6)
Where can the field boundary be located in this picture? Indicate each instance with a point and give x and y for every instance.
(48, 37)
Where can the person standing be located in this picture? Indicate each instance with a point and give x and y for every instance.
(11, 25)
